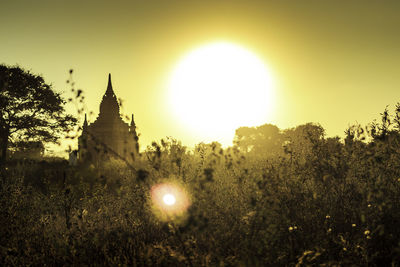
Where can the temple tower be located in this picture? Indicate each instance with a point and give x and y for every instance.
(108, 136)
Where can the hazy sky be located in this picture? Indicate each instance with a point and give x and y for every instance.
(334, 62)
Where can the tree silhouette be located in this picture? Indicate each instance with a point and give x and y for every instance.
(29, 109)
(262, 140)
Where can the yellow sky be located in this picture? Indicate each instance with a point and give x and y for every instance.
(334, 62)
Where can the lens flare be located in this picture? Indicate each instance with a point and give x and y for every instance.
(169, 200)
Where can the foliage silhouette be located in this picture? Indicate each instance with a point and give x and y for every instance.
(29, 109)
(296, 198)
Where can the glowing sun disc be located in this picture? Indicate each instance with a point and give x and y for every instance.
(219, 87)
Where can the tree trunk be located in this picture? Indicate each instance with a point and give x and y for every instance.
(3, 146)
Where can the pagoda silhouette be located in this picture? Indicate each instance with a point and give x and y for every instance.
(108, 136)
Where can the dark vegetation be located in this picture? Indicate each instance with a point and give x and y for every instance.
(276, 198)
(31, 112)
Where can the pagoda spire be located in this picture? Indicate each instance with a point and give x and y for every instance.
(109, 90)
(109, 104)
(85, 123)
(132, 130)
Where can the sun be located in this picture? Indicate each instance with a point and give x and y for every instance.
(219, 87)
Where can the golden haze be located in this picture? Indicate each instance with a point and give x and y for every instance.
(334, 62)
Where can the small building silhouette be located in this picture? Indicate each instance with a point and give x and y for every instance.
(108, 136)
(27, 150)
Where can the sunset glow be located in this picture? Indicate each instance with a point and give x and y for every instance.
(200, 133)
